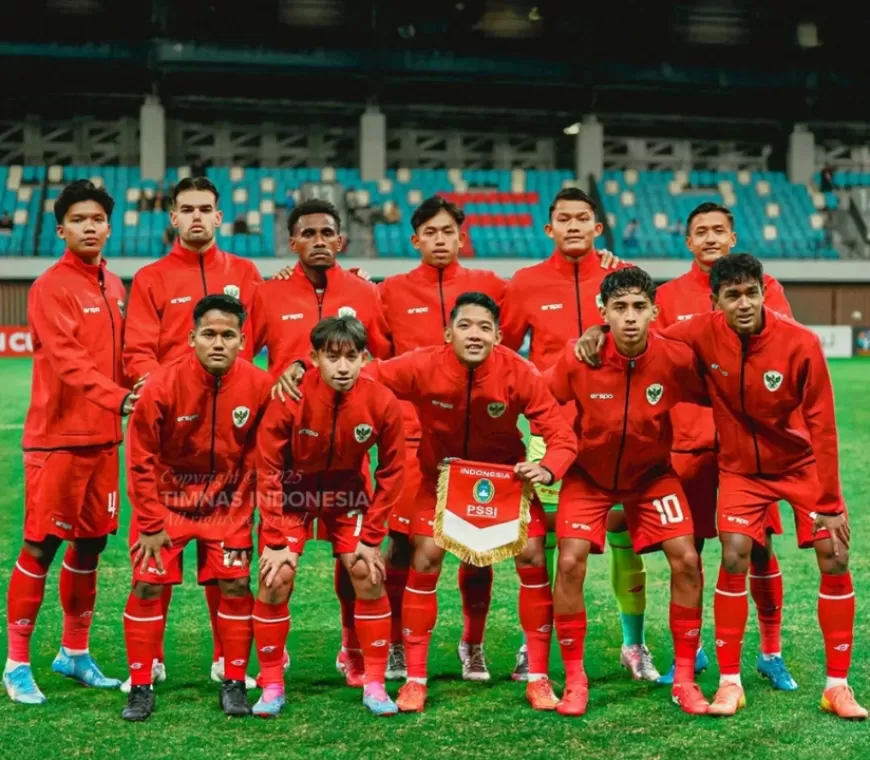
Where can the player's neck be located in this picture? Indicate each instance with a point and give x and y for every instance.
(631, 351)
(316, 275)
(573, 257)
(199, 248)
(705, 268)
(94, 260)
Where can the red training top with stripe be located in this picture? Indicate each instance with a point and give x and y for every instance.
(472, 413)
(679, 300)
(160, 312)
(286, 311)
(622, 424)
(191, 444)
(773, 402)
(417, 308)
(76, 316)
(313, 455)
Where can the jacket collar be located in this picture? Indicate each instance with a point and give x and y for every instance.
(204, 377)
(770, 323)
(444, 274)
(700, 275)
(333, 275)
(566, 266)
(209, 256)
(92, 270)
(459, 371)
(315, 388)
(610, 354)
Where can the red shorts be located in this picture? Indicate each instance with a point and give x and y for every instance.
(341, 529)
(209, 534)
(71, 493)
(403, 513)
(744, 503)
(699, 474)
(424, 520)
(655, 514)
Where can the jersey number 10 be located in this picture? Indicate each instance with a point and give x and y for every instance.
(669, 509)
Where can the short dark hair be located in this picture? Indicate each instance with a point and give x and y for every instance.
(194, 183)
(433, 206)
(709, 208)
(474, 298)
(219, 302)
(79, 191)
(734, 269)
(623, 281)
(573, 194)
(338, 332)
(313, 206)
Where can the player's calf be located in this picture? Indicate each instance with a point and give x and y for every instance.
(235, 628)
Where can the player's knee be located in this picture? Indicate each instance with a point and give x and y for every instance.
(43, 551)
(147, 591)
(533, 555)
(235, 587)
(684, 562)
(572, 566)
(91, 547)
(830, 563)
(360, 575)
(736, 551)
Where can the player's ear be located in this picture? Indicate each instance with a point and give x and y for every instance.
(109, 228)
(602, 311)
(60, 231)
(218, 217)
(173, 217)
(243, 339)
(548, 230)
(415, 241)
(497, 335)
(191, 338)
(314, 358)
(655, 312)
(463, 238)
(448, 335)
(599, 228)
(714, 299)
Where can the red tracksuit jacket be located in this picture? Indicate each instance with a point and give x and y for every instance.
(679, 300)
(191, 445)
(76, 316)
(622, 423)
(285, 312)
(160, 312)
(473, 414)
(773, 403)
(312, 455)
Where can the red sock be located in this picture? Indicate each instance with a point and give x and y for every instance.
(397, 579)
(536, 616)
(213, 600)
(143, 628)
(475, 586)
(78, 592)
(419, 614)
(837, 621)
(236, 632)
(686, 632)
(346, 598)
(765, 584)
(271, 626)
(571, 632)
(165, 599)
(23, 600)
(373, 625)
(730, 610)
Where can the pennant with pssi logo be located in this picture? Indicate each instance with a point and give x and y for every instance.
(482, 511)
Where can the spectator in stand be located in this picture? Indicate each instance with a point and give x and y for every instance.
(160, 201)
(6, 223)
(168, 238)
(827, 182)
(240, 226)
(629, 235)
(197, 167)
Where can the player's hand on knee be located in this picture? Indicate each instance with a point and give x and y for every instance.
(837, 526)
(148, 548)
(588, 348)
(272, 560)
(237, 557)
(288, 383)
(374, 562)
(534, 473)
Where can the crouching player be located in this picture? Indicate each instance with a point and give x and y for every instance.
(191, 461)
(311, 458)
(468, 395)
(624, 433)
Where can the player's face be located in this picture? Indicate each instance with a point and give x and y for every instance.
(628, 316)
(710, 238)
(473, 334)
(339, 365)
(573, 228)
(742, 303)
(316, 240)
(217, 340)
(196, 217)
(438, 240)
(85, 229)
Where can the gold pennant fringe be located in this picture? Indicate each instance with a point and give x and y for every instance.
(464, 553)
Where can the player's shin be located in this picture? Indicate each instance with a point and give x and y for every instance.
(143, 629)
(765, 584)
(628, 580)
(78, 592)
(271, 625)
(373, 628)
(685, 609)
(730, 610)
(836, 611)
(24, 598)
(236, 633)
(536, 618)
(475, 586)
(165, 601)
(569, 611)
(346, 598)
(397, 579)
(419, 615)
(213, 600)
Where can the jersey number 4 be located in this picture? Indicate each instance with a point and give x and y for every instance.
(669, 509)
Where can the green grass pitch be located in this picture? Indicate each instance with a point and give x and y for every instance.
(323, 718)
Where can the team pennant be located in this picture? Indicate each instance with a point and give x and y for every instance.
(482, 511)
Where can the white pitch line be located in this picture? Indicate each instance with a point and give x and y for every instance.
(11, 426)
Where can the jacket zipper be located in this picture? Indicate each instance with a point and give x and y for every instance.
(102, 280)
(743, 354)
(577, 296)
(624, 425)
(441, 295)
(202, 272)
(468, 414)
(330, 452)
(217, 390)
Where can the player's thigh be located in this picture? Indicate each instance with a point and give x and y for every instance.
(402, 516)
(100, 510)
(742, 506)
(181, 531)
(699, 475)
(582, 513)
(802, 489)
(343, 530)
(658, 514)
(616, 522)
(55, 483)
(399, 550)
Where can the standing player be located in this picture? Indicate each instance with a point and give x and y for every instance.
(469, 395)
(313, 463)
(773, 404)
(710, 236)
(416, 306)
(624, 434)
(159, 314)
(191, 463)
(71, 438)
(556, 300)
(284, 313)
